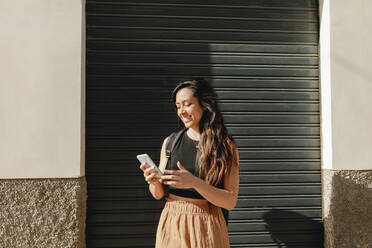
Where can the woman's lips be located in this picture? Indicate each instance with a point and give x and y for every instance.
(186, 119)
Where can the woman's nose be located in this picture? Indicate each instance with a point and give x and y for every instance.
(182, 110)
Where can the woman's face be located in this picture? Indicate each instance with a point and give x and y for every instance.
(188, 108)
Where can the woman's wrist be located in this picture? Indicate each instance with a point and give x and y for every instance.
(154, 182)
(196, 183)
(156, 189)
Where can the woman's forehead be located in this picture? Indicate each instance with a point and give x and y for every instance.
(184, 94)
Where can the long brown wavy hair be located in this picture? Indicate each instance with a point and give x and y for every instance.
(216, 149)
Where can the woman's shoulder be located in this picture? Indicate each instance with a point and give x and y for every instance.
(173, 137)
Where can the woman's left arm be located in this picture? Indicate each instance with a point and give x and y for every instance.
(225, 198)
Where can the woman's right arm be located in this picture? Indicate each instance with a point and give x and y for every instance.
(155, 185)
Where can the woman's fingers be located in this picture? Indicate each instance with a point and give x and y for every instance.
(151, 177)
(149, 173)
(171, 172)
(179, 178)
(169, 177)
(148, 170)
(172, 183)
(143, 166)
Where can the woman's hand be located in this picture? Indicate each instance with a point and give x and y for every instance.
(181, 178)
(149, 173)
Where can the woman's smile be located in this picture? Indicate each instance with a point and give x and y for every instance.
(186, 119)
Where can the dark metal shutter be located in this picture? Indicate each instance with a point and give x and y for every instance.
(262, 58)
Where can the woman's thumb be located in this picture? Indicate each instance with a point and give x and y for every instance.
(180, 166)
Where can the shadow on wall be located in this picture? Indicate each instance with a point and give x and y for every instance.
(287, 228)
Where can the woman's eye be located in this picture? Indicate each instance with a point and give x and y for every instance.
(184, 105)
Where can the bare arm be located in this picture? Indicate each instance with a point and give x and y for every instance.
(226, 197)
(155, 185)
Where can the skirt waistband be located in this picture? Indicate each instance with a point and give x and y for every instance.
(180, 198)
(183, 205)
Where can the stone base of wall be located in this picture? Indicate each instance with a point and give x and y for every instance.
(42, 213)
(347, 208)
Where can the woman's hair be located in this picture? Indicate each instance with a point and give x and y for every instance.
(216, 149)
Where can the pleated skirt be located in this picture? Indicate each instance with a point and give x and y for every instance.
(195, 223)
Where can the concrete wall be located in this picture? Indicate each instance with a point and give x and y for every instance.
(42, 213)
(41, 89)
(346, 90)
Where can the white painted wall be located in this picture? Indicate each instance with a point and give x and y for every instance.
(325, 83)
(41, 89)
(347, 86)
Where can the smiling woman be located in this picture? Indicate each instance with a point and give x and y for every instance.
(202, 174)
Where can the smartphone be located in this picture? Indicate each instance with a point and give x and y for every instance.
(145, 158)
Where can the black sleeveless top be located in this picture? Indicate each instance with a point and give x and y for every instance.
(185, 151)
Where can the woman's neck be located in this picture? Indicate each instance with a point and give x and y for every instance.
(193, 133)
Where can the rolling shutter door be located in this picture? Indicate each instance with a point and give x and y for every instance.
(261, 56)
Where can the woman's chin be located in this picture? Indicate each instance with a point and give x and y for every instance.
(187, 124)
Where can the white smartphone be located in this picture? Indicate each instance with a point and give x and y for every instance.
(144, 158)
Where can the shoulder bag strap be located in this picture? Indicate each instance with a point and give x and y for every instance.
(169, 146)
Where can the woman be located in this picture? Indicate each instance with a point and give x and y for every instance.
(202, 174)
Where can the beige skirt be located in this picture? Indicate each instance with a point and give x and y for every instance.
(187, 222)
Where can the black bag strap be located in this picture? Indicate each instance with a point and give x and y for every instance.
(171, 143)
(169, 146)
